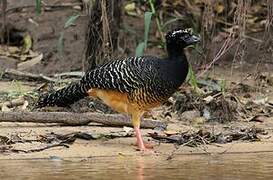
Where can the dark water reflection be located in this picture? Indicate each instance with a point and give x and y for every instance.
(228, 167)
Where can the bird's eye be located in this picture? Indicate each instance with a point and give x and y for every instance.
(186, 36)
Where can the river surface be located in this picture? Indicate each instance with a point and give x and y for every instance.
(196, 167)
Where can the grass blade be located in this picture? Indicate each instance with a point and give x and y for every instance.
(71, 20)
(140, 49)
(60, 45)
(192, 78)
(142, 45)
(147, 22)
(38, 7)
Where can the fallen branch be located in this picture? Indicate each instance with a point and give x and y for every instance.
(67, 5)
(39, 149)
(75, 119)
(19, 75)
(229, 42)
(73, 74)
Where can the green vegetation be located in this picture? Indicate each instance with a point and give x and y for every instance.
(143, 45)
(157, 19)
(38, 7)
(192, 79)
(70, 22)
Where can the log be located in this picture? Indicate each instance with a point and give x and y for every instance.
(76, 119)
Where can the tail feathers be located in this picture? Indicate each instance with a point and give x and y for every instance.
(63, 97)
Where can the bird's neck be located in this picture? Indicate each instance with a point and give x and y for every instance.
(179, 63)
(177, 55)
(175, 52)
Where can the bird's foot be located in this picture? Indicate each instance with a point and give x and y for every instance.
(145, 146)
(147, 149)
(141, 146)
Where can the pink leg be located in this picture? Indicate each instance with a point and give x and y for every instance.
(136, 117)
(140, 143)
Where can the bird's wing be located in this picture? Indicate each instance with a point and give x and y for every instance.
(123, 75)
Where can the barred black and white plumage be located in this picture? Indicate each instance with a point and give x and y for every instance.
(62, 97)
(146, 79)
(132, 85)
(130, 75)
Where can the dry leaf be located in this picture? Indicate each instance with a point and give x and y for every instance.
(258, 118)
(24, 107)
(27, 43)
(261, 101)
(208, 99)
(9, 50)
(5, 108)
(130, 7)
(27, 64)
(198, 121)
(128, 129)
(169, 133)
(219, 8)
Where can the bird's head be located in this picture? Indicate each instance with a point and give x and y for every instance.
(181, 38)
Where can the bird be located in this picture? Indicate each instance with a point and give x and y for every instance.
(132, 85)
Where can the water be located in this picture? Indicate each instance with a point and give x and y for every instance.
(227, 167)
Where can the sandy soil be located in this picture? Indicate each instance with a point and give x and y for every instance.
(119, 146)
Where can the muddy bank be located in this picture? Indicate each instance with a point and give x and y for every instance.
(120, 146)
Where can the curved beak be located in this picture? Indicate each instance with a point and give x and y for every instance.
(193, 39)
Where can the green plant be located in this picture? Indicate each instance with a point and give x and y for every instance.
(60, 44)
(17, 90)
(192, 79)
(38, 7)
(17, 86)
(157, 19)
(223, 85)
(69, 22)
(143, 45)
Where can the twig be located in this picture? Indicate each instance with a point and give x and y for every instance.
(19, 75)
(75, 119)
(205, 142)
(253, 38)
(77, 74)
(40, 149)
(171, 155)
(225, 47)
(68, 5)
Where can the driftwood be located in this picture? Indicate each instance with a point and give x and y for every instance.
(75, 119)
